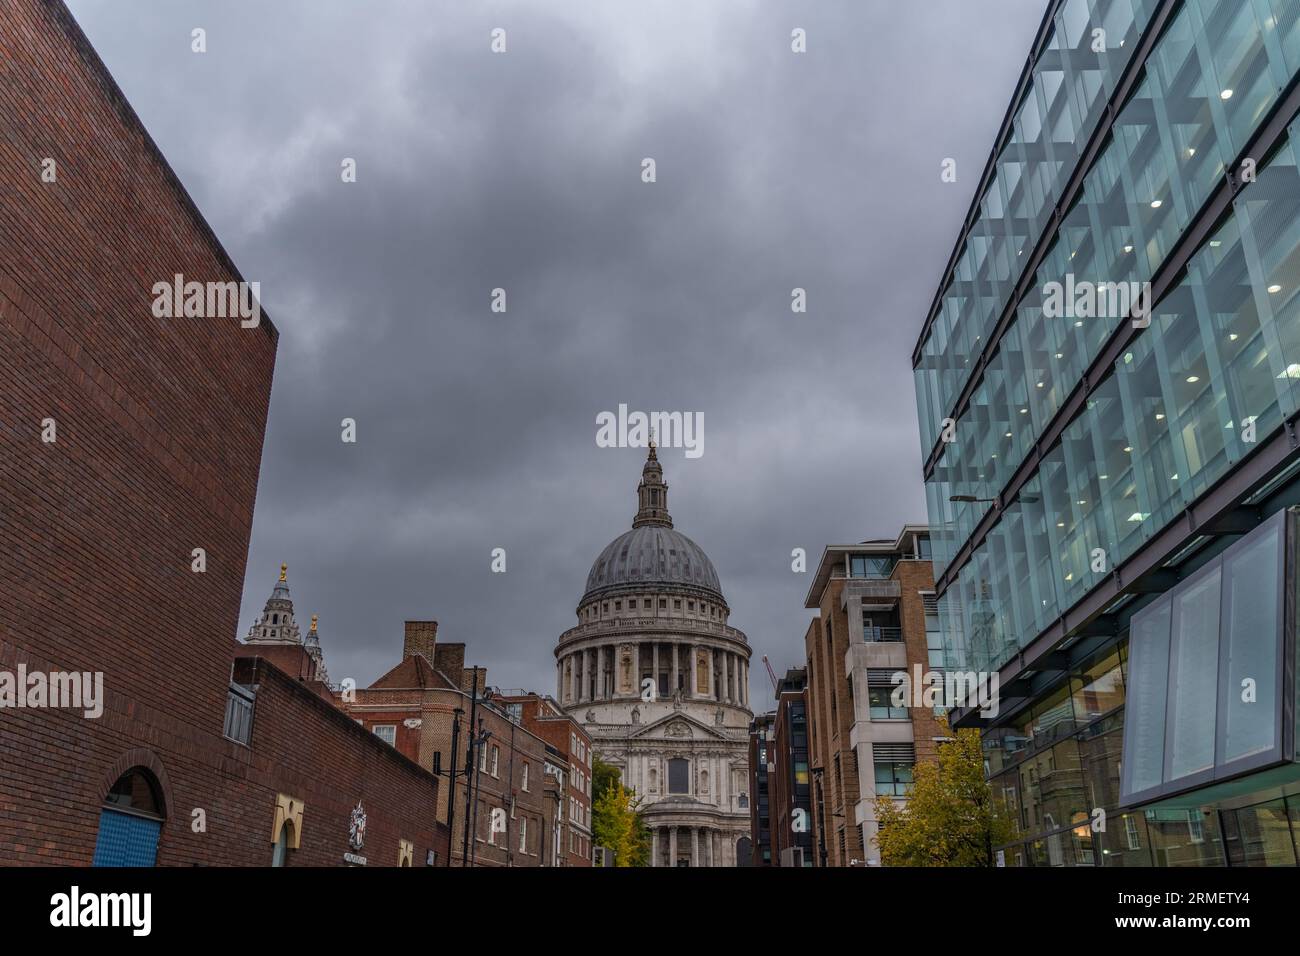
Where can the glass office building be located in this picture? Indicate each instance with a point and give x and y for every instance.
(1108, 486)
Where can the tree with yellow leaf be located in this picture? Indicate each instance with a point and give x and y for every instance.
(616, 822)
(950, 818)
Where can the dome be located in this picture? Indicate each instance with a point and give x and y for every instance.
(651, 556)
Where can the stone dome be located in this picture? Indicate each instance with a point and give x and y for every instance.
(649, 557)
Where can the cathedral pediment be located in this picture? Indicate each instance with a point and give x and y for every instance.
(677, 726)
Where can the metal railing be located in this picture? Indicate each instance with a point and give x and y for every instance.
(882, 635)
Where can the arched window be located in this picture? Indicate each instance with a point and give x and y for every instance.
(275, 618)
(280, 854)
(130, 821)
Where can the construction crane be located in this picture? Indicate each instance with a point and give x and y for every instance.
(776, 685)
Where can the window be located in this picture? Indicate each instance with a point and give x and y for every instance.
(1131, 832)
(523, 835)
(496, 759)
(679, 778)
(1195, 828)
(482, 756)
(893, 779)
(663, 604)
(880, 695)
(239, 715)
(677, 604)
(525, 781)
(867, 566)
(130, 822)
(387, 733)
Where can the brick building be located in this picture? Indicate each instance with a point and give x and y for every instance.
(430, 700)
(129, 454)
(875, 618)
(760, 808)
(569, 748)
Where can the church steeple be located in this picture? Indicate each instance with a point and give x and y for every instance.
(652, 494)
(277, 625)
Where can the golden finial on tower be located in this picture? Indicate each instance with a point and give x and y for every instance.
(313, 622)
(284, 569)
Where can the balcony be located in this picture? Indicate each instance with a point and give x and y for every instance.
(882, 635)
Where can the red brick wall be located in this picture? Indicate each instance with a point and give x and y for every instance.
(159, 438)
(305, 748)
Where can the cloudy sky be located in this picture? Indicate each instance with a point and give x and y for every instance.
(477, 170)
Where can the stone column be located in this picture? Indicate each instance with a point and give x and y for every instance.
(654, 668)
(676, 679)
(672, 846)
(600, 673)
(717, 847)
(695, 846)
(654, 847)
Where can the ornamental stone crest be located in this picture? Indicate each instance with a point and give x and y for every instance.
(357, 828)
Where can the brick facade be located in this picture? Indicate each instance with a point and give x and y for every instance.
(571, 744)
(158, 427)
(418, 698)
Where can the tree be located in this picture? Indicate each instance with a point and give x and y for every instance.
(950, 818)
(616, 822)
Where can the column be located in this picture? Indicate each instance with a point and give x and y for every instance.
(695, 846)
(744, 682)
(600, 673)
(676, 680)
(654, 846)
(672, 846)
(716, 855)
(654, 668)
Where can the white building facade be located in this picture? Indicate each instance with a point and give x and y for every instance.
(660, 681)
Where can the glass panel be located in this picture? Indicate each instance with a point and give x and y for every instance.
(1193, 677)
(1259, 835)
(1251, 632)
(1144, 714)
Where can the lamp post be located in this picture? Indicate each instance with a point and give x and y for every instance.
(457, 714)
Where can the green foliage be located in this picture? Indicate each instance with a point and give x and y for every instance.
(950, 818)
(616, 820)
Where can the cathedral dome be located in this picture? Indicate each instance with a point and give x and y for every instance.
(648, 557)
(652, 555)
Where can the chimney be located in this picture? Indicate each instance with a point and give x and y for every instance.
(421, 638)
(450, 659)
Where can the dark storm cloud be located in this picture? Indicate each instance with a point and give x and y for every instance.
(475, 171)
